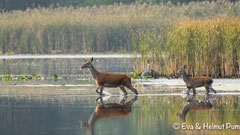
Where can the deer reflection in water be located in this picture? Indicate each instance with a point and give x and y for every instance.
(108, 110)
(195, 105)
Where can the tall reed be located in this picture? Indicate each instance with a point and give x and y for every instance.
(96, 29)
(206, 46)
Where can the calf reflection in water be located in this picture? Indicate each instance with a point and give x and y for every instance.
(195, 105)
(108, 110)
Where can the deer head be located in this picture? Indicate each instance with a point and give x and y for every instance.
(182, 71)
(87, 63)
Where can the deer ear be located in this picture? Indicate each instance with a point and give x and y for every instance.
(84, 60)
(91, 59)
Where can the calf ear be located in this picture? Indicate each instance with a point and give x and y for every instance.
(91, 59)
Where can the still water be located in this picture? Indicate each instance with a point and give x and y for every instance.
(71, 106)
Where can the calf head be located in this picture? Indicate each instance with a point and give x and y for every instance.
(182, 71)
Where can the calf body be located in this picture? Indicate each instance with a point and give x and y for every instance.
(195, 82)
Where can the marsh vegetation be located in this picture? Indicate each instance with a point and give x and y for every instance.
(202, 35)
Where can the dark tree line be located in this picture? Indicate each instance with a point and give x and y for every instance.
(8, 5)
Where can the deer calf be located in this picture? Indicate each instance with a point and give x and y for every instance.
(109, 79)
(194, 82)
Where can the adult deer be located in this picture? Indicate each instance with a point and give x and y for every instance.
(108, 79)
(108, 110)
(194, 82)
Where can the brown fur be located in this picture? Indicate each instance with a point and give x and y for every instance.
(115, 80)
(109, 79)
(199, 81)
(195, 82)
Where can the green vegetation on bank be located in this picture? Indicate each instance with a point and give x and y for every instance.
(26, 77)
(97, 29)
(200, 35)
(206, 46)
(20, 77)
(8, 5)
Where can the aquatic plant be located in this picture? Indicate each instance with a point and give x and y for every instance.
(55, 77)
(20, 77)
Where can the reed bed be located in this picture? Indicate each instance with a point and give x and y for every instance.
(202, 35)
(112, 28)
(208, 47)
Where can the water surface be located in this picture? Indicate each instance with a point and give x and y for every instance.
(71, 106)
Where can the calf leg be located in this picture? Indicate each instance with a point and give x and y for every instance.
(123, 90)
(207, 89)
(188, 91)
(194, 91)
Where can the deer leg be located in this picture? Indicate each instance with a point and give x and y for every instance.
(101, 90)
(188, 91)
(211, 88)
(97, 90)
(194, 91)
(123, 90)
(207, 89)
(189, 99)
(132, 89)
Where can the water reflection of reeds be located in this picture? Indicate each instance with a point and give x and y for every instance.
(153, 115)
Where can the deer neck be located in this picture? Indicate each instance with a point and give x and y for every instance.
(185, 78)
(93, 71)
